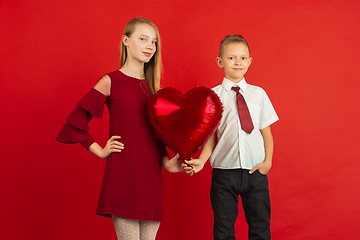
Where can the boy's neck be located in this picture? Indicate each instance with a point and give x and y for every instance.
(235, 80)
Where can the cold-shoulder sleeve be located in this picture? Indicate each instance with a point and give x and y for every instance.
(76, 129)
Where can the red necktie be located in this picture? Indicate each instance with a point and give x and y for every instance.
(244, 114)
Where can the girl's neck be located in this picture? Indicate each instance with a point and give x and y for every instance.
(133, 69)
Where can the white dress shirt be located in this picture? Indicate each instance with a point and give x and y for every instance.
(236, 148)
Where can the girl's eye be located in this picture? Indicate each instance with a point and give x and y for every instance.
(153, 42)
(142, 39)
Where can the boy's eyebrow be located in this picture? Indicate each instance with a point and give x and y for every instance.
(237, 54)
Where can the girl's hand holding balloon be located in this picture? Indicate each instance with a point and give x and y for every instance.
(173, 165)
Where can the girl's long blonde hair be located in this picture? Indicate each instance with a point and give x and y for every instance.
(153, 68)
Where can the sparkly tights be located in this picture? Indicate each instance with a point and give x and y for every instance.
(130, 229)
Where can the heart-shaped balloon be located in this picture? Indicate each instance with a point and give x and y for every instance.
(184, 122)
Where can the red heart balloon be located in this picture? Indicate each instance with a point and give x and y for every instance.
(185, 122)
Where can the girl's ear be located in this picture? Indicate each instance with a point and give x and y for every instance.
(219, 62)
(125, 40)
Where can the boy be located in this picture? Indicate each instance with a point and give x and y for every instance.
(241, 150)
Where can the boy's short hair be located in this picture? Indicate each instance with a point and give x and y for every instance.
(236, 38)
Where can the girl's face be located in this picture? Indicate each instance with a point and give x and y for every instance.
(141, 45)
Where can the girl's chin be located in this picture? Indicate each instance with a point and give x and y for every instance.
(147, 61)
(144, 60)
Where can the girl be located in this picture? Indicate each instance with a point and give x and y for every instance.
(131, 191)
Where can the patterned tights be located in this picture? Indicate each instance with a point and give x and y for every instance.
(130, 229)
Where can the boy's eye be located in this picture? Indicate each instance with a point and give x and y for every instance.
(231, 58)
(244, 58)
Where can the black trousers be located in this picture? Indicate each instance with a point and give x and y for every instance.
(227, 185)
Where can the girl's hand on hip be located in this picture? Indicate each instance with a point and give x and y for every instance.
(112, 146)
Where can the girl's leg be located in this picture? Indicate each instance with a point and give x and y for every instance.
(126, 228)
(148, 229)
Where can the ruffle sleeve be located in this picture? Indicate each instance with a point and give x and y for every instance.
(76, 129)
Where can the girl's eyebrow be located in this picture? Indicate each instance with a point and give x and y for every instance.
(144, 35)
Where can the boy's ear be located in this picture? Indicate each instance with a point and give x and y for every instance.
(219, 62)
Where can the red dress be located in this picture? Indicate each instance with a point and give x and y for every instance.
(132, 182)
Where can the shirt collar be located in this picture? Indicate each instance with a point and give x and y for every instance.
(227, 84)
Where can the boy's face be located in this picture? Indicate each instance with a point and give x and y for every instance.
(235, 60)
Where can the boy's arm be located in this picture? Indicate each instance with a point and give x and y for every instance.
(265, 166)
(195, 165)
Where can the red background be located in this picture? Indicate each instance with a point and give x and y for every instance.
(306, 56)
